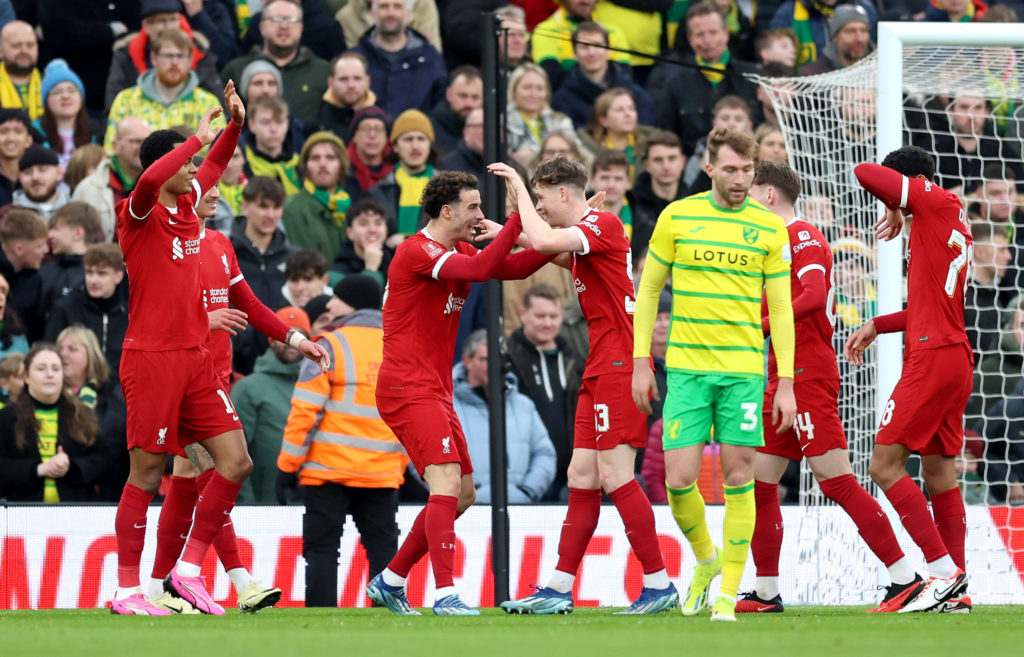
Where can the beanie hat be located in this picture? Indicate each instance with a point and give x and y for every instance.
(295, 318)
(371, 112)
(150, 7)
(412, 120)
(665, 302)
(254, 67)
(846, 14)
(317, 306)
(359, 291)
(36, 155)
(320, 137)
(58, 71)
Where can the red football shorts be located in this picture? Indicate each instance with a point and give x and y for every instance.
(925, 413)
(817, 428)
(606, 416)
(173, 399)
(428, 429)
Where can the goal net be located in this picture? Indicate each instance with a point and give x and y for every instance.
(964, 104)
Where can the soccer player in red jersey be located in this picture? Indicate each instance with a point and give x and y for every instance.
(222, 282)
(925, 412)
(609, 427)
(818, 433)
(428, 282)
(172, 393)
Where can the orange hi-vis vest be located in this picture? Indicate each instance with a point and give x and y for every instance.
(334, 431)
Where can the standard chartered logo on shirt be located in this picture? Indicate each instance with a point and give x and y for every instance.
(177, 252)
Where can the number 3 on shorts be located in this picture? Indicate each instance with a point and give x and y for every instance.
(749, 416)
(601, 417)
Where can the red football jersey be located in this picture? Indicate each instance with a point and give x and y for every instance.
(218, 272)
(421, 320)
(937, 263)
(815, 356)
(603, 275)
(161, 255)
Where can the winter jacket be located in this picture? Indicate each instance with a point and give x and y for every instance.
(532, 369)
(320, 32)
(305, 79)
(132, 58)
(262, 401)
(414, 78)
(95, 190)
(683, 105)
(531, 456)
(25, 296)
(18, 479)
(61, 276)
(805, 17)
(447, 126)
(355, 19)
(646, 207)
(143, 101)
(337, 119)
(21, 200)
(518, 135)
(462, 158)
(107, 318)
(310, 225)
(347, 262)
(577, 93)
(387, 192)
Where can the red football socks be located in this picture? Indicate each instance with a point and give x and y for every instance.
(912, 508)
(951, 523)
(578, 527)
(638, 518)
(767, 540)
(867, 514)
(175, 523)
(130, 528)
(413, 547)
(225, 542)
(212, 512)
(439, 525)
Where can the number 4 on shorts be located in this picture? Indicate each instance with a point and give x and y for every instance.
(803, 425)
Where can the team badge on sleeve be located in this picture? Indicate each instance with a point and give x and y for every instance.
(433, 249)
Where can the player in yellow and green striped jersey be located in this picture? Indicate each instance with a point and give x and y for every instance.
(723, 249)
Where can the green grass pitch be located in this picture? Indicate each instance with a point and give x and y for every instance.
(811, 631)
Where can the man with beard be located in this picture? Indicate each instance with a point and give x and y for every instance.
(812, 20)
(850, 43)
(314, 218)
(406, 72)
(20, 82)
(348, 91)
(39, 174)
(166, 96)
(304, 74)
(464, 94)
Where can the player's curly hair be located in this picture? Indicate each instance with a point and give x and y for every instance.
(560, 172)
(911, 161)
(158, 144)
(445, 188)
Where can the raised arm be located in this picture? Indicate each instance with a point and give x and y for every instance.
(887, 185)
(147, 190)
(483, 265)
(543, 237)
(222, 150)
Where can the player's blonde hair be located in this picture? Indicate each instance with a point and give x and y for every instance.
(740, 142)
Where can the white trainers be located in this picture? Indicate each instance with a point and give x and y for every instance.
(256, 596)
(936, 591)
(172, 604)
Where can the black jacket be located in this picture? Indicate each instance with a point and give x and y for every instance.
(465, 159)
(18, 479)
(335, 119)
(25, 297)
(1004, 443)
(646, 207)
(683, 104)
(107, 318)
(447, 126)
(61, 276)
(577, 93)
(347, 262)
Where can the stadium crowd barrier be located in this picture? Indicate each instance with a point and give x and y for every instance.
(66, 556)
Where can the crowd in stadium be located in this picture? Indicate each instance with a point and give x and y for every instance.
(351, 108)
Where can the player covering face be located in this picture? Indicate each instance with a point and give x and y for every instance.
(608, 428)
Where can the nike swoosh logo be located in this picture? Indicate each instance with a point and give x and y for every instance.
(172, 221)
(742, 541)
(761, 608)
(687, 531)
(138, 526)
(942, 594)
(183, 537)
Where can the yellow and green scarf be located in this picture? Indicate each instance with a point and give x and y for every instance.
(337, 201)
(232, 194)
(10, 98)
(714, 77)
(286, 171)
(243, 12)
(47, 418)
(411, 186)
(629, 152)
(626, 214)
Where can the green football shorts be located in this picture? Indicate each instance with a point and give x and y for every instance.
(697, 403)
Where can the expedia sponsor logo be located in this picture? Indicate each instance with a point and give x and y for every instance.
(720, 257)
(806, 243)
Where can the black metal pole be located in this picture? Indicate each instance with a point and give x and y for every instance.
(494, 208)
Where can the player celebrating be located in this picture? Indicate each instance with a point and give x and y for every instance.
(428, 282)
(818, 433)
(608, 428)
(723, 249)
(168, 377)
(925, 412)
(222, 283)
